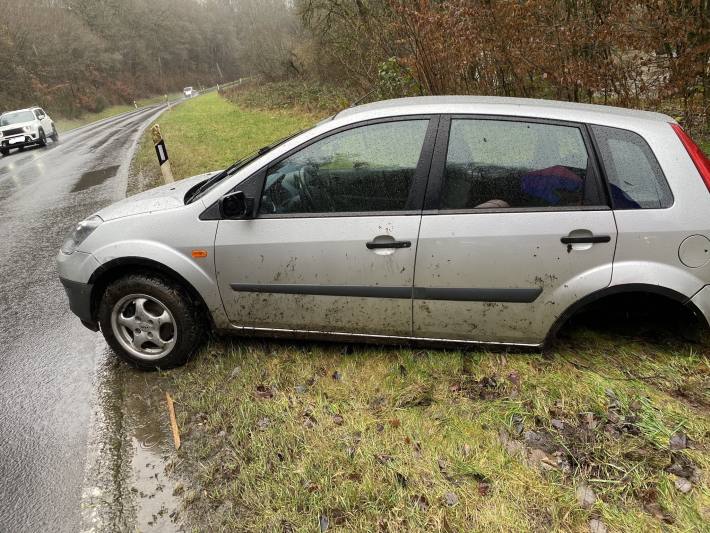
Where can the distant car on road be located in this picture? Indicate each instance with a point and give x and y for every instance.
(189, 92)
(26, 127)
(424, 220)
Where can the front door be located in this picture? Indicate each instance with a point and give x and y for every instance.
(333, 243)
(522, 230)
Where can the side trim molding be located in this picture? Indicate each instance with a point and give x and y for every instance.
(477, 295)
(362, 291)
(417, 293)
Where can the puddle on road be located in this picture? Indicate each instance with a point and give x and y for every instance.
(129, 483)
(94, 177)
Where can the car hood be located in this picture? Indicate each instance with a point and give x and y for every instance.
(168, 196)
(18, 125)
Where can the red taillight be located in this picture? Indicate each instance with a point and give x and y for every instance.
(702, 163)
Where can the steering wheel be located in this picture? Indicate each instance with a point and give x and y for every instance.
(311, 172)
(303, 191)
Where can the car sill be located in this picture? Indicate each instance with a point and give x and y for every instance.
(305, 333)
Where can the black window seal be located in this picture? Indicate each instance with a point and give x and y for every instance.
(415, 199)
(432, 204)
(605, 175)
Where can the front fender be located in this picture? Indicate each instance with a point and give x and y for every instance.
(198, 272)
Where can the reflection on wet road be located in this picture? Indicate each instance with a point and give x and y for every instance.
(47, 358)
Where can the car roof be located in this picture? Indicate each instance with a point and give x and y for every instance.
(499, 105)
(18, 110)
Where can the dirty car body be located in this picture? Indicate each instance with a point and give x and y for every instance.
(432, 219)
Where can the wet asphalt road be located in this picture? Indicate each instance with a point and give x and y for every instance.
(48, 360)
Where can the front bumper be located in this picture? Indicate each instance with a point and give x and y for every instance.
(79, 295)
(29, 139)
(75, 272)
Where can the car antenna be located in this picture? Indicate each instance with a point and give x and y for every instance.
(356, 102)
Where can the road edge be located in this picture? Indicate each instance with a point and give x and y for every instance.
(102, 501)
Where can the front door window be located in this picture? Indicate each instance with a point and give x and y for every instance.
(365, 169)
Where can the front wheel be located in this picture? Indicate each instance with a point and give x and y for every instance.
(4, 151)
(150, 322)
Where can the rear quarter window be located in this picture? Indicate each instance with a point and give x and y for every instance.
(636, 180)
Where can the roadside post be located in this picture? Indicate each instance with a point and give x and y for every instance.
(162, 154)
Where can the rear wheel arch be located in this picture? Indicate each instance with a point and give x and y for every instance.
(123, 266)
(630, 288)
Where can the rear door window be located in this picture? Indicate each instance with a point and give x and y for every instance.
(514, 164)
(636, 180)
(363, 169)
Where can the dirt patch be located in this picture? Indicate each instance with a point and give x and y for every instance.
(605, 448)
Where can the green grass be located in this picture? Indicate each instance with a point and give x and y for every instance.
(208, 133)
(705, 145)
(66, 124)
(276, 435)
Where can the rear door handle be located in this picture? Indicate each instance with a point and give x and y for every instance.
(593, 239)
(373, 245)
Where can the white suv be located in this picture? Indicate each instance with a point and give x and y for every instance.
(26, 127)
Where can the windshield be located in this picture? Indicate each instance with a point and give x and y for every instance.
(187, 89)
(203, 189)
(16, 117)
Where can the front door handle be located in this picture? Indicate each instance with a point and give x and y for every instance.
(592, 239)
(374, 245)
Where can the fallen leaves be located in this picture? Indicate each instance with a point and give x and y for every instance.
(683, 485)
(420, 502)
(586, 497)
(486, 388)
(384, 458)
(597, 526)
(678, 441)
(649, 500)
(263, 392)
(450, 499)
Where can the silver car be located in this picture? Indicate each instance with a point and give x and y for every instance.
(432, 219)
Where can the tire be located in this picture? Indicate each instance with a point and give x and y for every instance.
(4, 151)
(42, 139)
(178, 338)
(55, 134)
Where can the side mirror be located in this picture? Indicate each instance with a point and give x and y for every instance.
(236, 206)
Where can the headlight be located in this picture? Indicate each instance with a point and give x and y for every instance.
(27, 129)
(80, 232)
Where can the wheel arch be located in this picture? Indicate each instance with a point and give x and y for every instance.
(628, 288)
(122, 266)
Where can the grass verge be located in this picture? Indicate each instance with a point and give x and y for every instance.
(208, 133)
(297, 437)
(600, 432)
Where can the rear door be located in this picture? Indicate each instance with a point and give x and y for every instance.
(516, 228)
(332, 247)
(44, 121)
